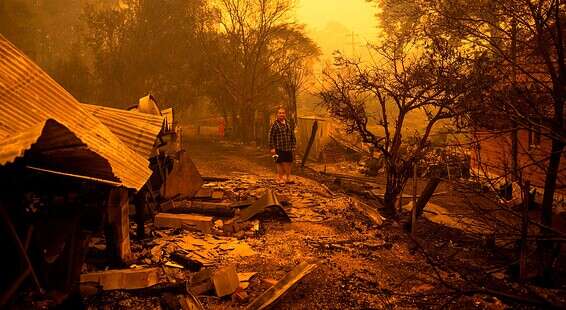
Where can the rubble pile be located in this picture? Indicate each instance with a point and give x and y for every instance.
(301, 202)
(195, 244)
(108, 201)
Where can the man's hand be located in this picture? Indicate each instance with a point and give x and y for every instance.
(273, 152)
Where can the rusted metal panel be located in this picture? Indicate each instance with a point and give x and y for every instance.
(29, 97)
(137, 130)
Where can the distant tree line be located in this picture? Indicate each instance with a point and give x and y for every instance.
(241, 58)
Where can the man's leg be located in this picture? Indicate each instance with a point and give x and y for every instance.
(287, 167)
(280, 171)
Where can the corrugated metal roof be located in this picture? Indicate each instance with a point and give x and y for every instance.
(52, 146)
(29, 98)
(15, 146)
(138, 130)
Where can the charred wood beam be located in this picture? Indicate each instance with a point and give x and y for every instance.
(199, 207)
(310, 143)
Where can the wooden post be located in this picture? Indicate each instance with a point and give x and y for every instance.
(118, 209)
(310, 143)
(426, 194)
(414, 209)
(139, 202)
(524, 232)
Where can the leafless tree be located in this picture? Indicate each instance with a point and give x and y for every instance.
(252, 58)
(411, 75)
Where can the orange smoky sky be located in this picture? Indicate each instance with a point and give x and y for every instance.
(333, 22)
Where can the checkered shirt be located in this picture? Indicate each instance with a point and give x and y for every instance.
(281, 137)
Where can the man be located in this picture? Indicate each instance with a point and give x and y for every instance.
(282, 143)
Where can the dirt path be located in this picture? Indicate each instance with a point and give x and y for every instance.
(360, 263)
(344, 242)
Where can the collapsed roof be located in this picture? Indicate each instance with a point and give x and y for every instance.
(137, 130)
(41, 124)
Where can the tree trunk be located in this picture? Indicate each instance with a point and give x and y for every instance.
(235, 126)
(546, 246)
(514, 153)
(389, 200)
(293, 109)
(392, 192)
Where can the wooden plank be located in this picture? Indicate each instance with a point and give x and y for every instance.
(196, 222)
(200, 207)
(123, 278)
(203, 193)
(219, 195)
(282, 286)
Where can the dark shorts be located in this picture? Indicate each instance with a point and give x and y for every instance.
(284, 156)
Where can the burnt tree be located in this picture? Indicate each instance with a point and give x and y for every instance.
(413, 77)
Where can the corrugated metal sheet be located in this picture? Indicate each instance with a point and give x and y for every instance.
(138, 130)
(29, 97)
(50, 145)
(15, 146)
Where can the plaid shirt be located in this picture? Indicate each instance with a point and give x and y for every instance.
(281, 137)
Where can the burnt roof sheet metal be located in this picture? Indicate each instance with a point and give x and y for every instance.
(53, 147)
(29, 97)
(139, 131)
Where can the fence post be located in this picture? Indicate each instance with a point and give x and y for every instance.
(311, 141)
(414, 210)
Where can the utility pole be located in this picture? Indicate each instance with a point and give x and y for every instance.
(353, 42)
